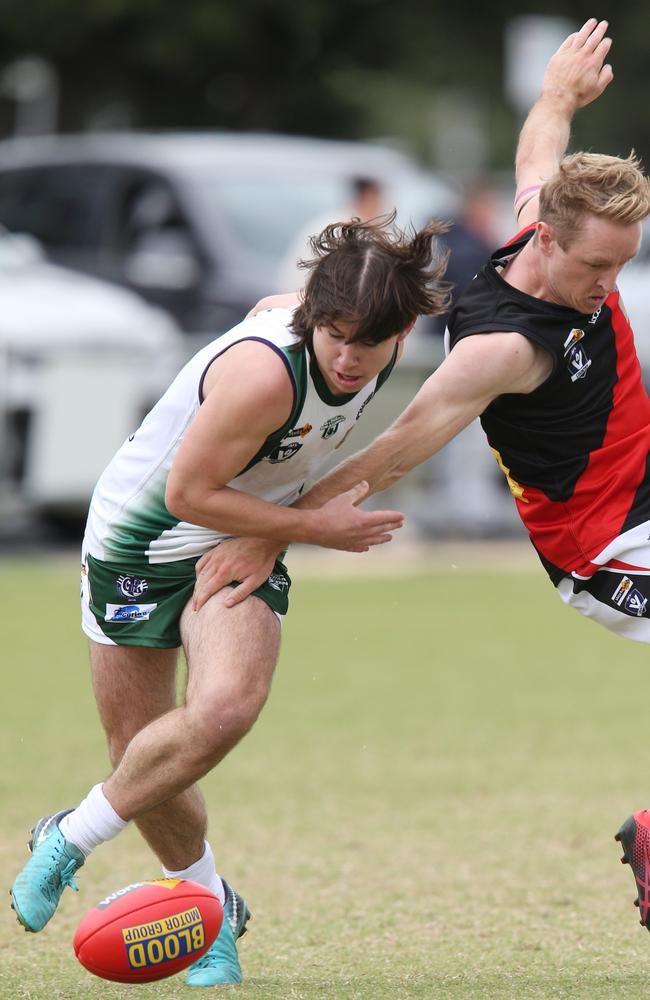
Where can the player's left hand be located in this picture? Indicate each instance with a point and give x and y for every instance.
(577, 73)
(249, 560)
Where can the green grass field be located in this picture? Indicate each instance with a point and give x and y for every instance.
(425, 808)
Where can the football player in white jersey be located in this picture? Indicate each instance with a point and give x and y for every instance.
(233, 443)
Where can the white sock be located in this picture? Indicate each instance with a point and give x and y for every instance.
(202, 871)
(92, 822)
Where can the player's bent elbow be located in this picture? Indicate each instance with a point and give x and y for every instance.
(177, 501)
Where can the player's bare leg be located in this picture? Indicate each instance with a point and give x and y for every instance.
(133, 686)
(229, 680)
(231, 655)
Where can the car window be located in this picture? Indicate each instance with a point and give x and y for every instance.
(157, 240)
(263, 214)
(53, 204)
(264, 211)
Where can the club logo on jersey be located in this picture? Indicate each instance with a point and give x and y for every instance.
(131, 587)
(300, 432)
(129, 612)
(330, 427)
(278, 582)
(284, 452)
(364, 404)
(629, 598)
(575, 354)
(573, 339)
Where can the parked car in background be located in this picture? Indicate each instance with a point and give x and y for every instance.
(81, 361)
(196, 223)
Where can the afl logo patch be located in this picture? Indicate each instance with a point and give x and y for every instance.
(577, 362)
(284, 452)
(629, 598)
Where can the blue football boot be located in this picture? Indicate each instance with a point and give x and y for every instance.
(220, 964)
(39, 886)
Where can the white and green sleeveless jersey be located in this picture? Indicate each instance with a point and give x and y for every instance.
(128, 516)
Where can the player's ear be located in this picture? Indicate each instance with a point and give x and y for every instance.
(545, 237)
(404, 334)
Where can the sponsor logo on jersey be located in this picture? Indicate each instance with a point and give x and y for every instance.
(594, 318)
(573, 339)
(331, 426)
(132, 587)
(284, 451)
(629, 598)
(128, 612)
(278, 582)
(364, 404)
(622, 590)
(300, 432)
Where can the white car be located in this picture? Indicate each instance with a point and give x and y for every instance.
(81, 361)
(195, 222)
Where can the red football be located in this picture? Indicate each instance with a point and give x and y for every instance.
(148, 930)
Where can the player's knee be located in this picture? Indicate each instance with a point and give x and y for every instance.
(219, 725)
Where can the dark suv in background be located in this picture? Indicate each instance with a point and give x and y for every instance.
(196, 223)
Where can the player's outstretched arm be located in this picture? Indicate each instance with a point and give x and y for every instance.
(575, 76)
(477, 371)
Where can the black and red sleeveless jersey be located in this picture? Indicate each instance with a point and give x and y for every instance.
(576, 450)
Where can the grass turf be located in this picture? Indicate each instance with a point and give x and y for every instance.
(425, 808)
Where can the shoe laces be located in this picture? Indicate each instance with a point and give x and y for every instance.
(210, 958)
(55, 881)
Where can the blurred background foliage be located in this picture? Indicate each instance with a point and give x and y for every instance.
(406, 71)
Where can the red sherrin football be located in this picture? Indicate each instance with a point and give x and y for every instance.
(148, 930)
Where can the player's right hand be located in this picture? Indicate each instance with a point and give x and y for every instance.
(248, 560)
(577, 73)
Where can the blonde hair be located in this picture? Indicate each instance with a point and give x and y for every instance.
(612, 187)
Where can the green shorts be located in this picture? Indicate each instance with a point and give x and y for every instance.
(135, 603)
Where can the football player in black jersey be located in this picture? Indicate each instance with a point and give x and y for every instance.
(541, 349)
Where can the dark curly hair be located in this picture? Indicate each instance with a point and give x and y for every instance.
(372, 274)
